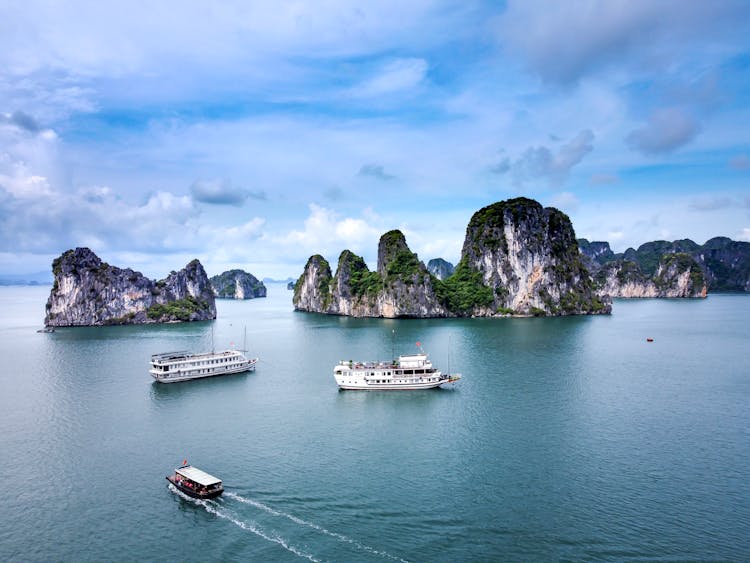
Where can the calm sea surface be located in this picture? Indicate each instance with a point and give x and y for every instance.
(568, 438)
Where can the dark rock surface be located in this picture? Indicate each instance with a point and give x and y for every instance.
(237, 284)
(89, 292)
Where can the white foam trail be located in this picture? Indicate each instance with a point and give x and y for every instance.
(246, 526)
(314, 526)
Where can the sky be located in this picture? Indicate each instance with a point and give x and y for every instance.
(254, 134)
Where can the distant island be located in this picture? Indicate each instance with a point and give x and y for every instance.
(37, 278)
(518, 258)
(237, 284)
(89, 292)
(721, 264)
(440, 268)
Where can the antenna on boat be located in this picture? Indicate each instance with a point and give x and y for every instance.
(244, 340)
(449, 354)
(393, 344)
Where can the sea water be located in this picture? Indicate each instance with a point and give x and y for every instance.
(567, 438)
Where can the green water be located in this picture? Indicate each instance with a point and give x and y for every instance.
(569, 438)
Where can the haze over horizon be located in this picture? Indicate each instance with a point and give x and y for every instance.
(252, 134)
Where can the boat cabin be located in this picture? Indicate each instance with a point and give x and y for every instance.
(196, 483)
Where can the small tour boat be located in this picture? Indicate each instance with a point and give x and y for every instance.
(410, 372)
(195, 483)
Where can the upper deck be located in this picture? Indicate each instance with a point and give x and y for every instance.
(166, 358)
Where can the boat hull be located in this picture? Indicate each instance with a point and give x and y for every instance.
(394, 386)
(192, 493)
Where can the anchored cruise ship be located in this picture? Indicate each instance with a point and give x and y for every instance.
(408, 372)
(172, 367)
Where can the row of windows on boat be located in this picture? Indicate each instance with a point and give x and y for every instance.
(412, 380)
(203, 363)
(399, 373)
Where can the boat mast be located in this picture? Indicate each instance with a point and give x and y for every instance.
(393, 344)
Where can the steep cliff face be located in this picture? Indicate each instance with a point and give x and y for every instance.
(237, 284)
(623, 278)
(524, 259)
(676, 275)
(89, 292)
(440, 268)
(312, 291)
(401, 287)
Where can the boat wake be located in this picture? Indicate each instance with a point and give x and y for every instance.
(215, 509)
(321, 529)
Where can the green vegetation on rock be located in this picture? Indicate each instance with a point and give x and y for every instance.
(464, 290)
(361, 280)
(680, 262)
(180, 309)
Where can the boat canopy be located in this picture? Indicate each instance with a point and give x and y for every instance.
(412, 361)
(167, 356)
(198, 476)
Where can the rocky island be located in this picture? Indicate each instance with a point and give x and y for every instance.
(237, 284)
(440, 268)
(518, 258)
(680, 268)
(89, 292)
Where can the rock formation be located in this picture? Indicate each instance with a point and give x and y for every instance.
(401, 286)
(87, 291)
(518, 259)
(237, 284)
(726, 264)
(677, 275)
(440, 268)
(668, 269)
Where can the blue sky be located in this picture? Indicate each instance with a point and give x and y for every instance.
(254, 134)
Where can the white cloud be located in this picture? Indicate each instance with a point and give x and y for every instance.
(712, 203)
(566, 41)
(543, 162)
(744, 234)
(327, 232)
(18, 181)
(218, 192)
(566, 201)
(400, 75)
(666, 130)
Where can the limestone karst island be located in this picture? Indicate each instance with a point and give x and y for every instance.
(518, 259)
(89, 292)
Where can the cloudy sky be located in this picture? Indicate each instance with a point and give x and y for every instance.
(254, 134)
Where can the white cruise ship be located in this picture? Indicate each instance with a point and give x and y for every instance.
(172, 367)
(408, 372)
